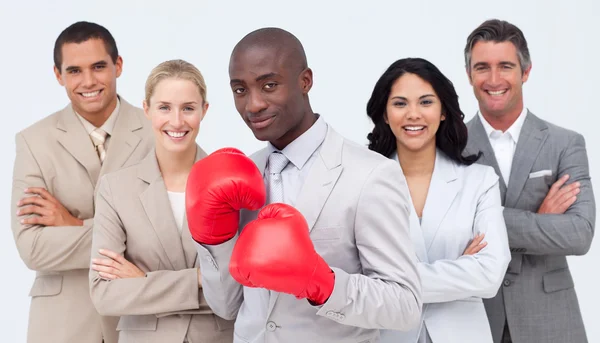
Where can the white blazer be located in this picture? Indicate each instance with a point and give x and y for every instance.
(462, 201)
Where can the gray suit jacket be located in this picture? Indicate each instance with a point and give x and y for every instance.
(134, 218)
(538, 297)
(57, 153)
(356, 205)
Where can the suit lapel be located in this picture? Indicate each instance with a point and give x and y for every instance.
(416, 233)
(321, 178)
(481, 142)
(319, 183)
(531, 139)
(189, 248)
(123, 140)
(443, 189)
(73, 137)
(155, 201)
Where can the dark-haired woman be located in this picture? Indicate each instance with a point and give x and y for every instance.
(456, 222)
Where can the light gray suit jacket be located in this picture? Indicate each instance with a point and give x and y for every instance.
(538, 297)
(356, 205)
(134, 219)
(57, 153)
(462, 202)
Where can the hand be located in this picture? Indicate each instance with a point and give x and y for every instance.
(115, 267)
(476, 245)
(218, 186)
(558, 199)
(275, 252)
(50, 212)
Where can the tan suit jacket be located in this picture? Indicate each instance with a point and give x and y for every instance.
(134, 218)
(57, 154)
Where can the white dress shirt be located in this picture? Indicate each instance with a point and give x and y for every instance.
(504, 143)
(177, 200)
(301, 153)
(108, 126)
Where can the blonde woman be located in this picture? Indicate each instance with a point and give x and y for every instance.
(144, 263)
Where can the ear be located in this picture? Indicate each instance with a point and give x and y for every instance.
(204, 110)
(306, 80)
(443, 117)
(385, 118)
(525, 75)
(58, 76)
(468, 70)
(146, 109)
(119, 66)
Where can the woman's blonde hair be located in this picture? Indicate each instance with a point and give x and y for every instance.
(178, 69)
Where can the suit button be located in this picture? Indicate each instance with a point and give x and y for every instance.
(341, 317)
(271, 326)
(330, 314)
(507, 283)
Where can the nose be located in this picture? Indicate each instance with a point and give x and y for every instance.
(89, 80)
(413, 112)
(176, 119)
(255, 103)
(494, 77)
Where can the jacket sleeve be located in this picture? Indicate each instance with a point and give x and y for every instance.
(44, 248)
(478, 275)
(158, 292)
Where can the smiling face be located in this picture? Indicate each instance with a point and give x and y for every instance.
(414, 113)
(497, 79)
(90, 78)
(175, 109)
(270, 91)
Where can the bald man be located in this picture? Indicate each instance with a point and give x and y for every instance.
(349, 212)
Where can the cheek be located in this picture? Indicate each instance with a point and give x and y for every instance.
(193, 121)
(158, 121)
(395, 118)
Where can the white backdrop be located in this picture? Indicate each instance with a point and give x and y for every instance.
(348, 43)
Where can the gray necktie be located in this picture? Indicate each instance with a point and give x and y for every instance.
(277, 162)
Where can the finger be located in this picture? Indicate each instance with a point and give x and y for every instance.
(105, 269)
(557, 185)
(564, 206)
(33, 210)
(567, 194)
(105, 262)
(108, 276)
(113, 255)
(479, 248)
(41, 192)
(35, 220)
(35, 201)
(478, 239)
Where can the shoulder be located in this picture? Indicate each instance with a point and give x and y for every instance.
(478, 176)
(121, 180)
(41, 128)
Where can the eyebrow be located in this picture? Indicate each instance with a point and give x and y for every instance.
(421, 97)
(258, 79)
(185, 103)
(485, 64)
(99, 63)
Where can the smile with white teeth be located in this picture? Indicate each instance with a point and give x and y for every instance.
(496, 93)
(414, 128)
(90, 94)
(176, 134)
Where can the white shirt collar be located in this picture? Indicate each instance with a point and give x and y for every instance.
(514, 130)
(302, 148)
(108, 125)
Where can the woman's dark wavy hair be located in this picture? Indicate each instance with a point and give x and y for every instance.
(451, 137)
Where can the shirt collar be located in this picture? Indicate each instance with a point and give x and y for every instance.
(514, 130)
(108, 125)
(302, 148)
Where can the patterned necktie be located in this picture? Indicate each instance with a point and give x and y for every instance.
(277, 162)
(99, 137)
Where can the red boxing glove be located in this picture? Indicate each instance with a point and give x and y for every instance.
(275, 252)
(218, 186)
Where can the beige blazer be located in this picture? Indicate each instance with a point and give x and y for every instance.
(134, 218)
(57, 153)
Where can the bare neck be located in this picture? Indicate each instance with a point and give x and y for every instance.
(503, 121)
(175, 167)
(417, 163)
(99, 118)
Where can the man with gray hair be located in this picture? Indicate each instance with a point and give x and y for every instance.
(545, 188)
